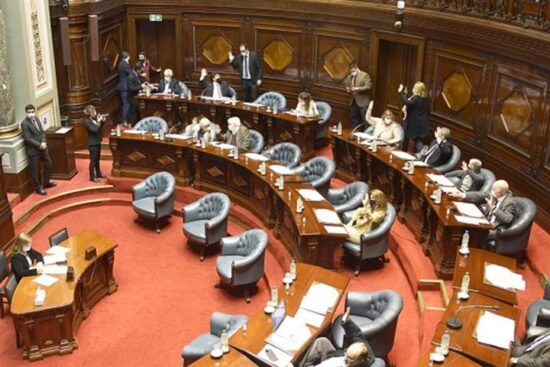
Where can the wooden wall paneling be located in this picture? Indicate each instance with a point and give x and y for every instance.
(93, 33)
(65, 40)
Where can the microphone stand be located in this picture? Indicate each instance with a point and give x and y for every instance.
(351, 137)
(454, 323)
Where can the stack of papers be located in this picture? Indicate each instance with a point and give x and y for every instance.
(420, 164)
(470, 220)
(309, 317)
(223, 145)
(311, 195)
(253, 104)
(62, 130)
(179, 136)
(290, 335)
(256, 157)
(130, 131)
(495, 330)
(58, 250)
(502, 277)
(468, 209)
(336, 229)
(54, 259)
(320, 298)
(280, 170)
(45, 280)
(403, 155)
(363, 136)
(282, 357)
(327, 216)
(450, 190)
(441, 180)
(55, 269)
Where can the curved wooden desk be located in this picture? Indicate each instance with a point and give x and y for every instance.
(211, 169)
(51, 328)
(275, 127)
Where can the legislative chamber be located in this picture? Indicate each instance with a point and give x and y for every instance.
(274, 183)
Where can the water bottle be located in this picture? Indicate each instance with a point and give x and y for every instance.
(161, 134)
(339, 129)
(437, 195)
(189, 94)
(465, 240)
(236, 153)
(391, 157)
(445, 341)
(224, 341)
(274, 296)
(293, 269)
(374, 146)
(245, 328)
(281, 182)
(411, 168)
(275, 109)
(464, 287)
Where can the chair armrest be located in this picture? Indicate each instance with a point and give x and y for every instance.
(162, 198)
(229, 245)
(358, 302)
(512, 231)
(301, 170)
(334, 194)
(543, 317)
(248, 260)
(547, 291)
(374, 235)
(190, 212)
(138, 190)
(219, 322)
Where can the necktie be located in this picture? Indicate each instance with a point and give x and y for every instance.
(430, 152)
(353, 81)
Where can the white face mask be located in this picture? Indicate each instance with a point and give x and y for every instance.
(31, 115)
(494, 194)
(168, 78)
(243, 53)
(388, 121)
(233, 129)
(26, 248)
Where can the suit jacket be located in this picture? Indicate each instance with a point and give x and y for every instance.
(243, 138)
(20, 266)
(363, 82)
(174, 86)
(254, 66)
(94, 132)
(538, 357)
(124, 71)
(477, 179)
(133, 87)
(32, 137)
(209, 86)
(440, 155)
(417, 124)
(505, 213)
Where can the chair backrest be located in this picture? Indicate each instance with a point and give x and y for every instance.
(233, 92)
(4, 269)
(220, 321)
(369, 130)
(152, 124)
(214, 205)
(251, 242)
(58, 237)
(184, 89)
(256, 141)
(488, 180)
(515, 238)
(159, 183)
(354, 191)
(452, 162)
(325, 111)
(318, 167)
(525, 214)
(288, 154)
(10, 287)
(272, 99)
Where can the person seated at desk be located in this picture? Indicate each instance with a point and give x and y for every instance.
(168, 85)
(237, 134)
(306, 106)
(322, 352)
(201, 127)
(533, 354)
(440, 150)
(470, 176)
(215, 88)
(367, 217)
(25, 261)
(385, 129)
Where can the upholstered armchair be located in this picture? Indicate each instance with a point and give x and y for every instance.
(241, 263)
(318, 171)
(153, 198)
(256, 141)
(373, 244)
(203, 344)
(488, 180)
(58, 237)
(452, 162)
(376, 314)
(349, 197)
(271, 99)
(151, 124)
(537, 318)
(205, 220)
(325, 111)
(288, 154)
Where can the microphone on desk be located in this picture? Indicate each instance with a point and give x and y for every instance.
(354, 130)
(173, 127)
(454, 323)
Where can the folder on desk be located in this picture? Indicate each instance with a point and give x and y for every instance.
(290, 336)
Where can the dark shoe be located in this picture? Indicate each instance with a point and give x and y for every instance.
(50, 184)
(93, 179)
(41, 192)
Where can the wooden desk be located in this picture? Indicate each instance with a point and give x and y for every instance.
(475, 265)
(61, 149)
(280, 127)
(453, 359)
(463, 341)
(51, 328)
(438, 234)
(260, 325)
(211, 169)
(232, 359)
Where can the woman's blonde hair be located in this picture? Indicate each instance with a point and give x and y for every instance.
(419, 89)
(21, 240)
(388, 113)
(379, 198)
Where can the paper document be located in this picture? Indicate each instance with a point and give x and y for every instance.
(280, 170)
(45, 280)
(320, 298)
(502, 277)
(62, 130)
(179, 136)
(440, 179)
(256, 157)
(468, 209)
(403, 155)
(311, 195)
(450, 190)
(53, 259)
(327, 216)
(336, 229)
(495, 330)
(467, 220)
(133, 131)
(420, 164)
(309, 318)
(253, 104)
(290, 335)
(363, 136)
(55, 269)
(282, 358)
(55, 250)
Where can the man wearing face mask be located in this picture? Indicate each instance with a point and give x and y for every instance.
(215, 88)
(37, 149)
(385, 129)
(145, 67)
(168, 85)
(440, 150)
(237, 134)
(358, 84)
(25, 261)
(470, 176)
(249, 66)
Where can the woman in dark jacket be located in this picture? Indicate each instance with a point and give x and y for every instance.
(93, 124)
(417, 125)
(25, 261)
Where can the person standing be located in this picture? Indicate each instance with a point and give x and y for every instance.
(358, 84)
(93, 124)
(124, 71)
(249, 66)
(134, 87)
(37, 149)
(417, 126)
(145, 68)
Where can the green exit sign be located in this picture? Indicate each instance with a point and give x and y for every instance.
(155, 17)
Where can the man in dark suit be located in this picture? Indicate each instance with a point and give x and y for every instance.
(37, 149)
(470, 176)
(216, 88)
(93, 125)
(534, 354)
(168, 85)
(124, 71)
(134, 87)
(440, 150)
(249, 66)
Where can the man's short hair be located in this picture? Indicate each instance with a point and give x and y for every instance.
(141, 53)
(353, 65)
(475, 164)
(125, 54)
(243, 45)
(234, 121)
(444, 131)
(29, 107)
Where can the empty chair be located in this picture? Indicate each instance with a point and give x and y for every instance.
(203, 344)
(184, 89)
(256, 141)
(153, 198)
(373, 244)
(349, 197)
(376, 314)
(488, 180)
(272, 99)
(325, 111)
(58, 237)
(241, 263)
(288, 154)
(452, 162)
(318, 171)
(151, 124)
(205, 220)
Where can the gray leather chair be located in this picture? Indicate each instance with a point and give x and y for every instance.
(349, 197)
(184, 89)
(203, 344)
(153, 198)
(373, 244)
(256, 141)
(488, 180)
(539, 307)
(151, 124)
(241, 263)
(325, 111)
(318, 171)
(452, 162)
(288, 154)
(205, 220)
(376, 314)
(58, 237)
(272, 99)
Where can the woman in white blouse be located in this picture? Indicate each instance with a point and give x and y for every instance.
(385, 128)
(306, 105)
